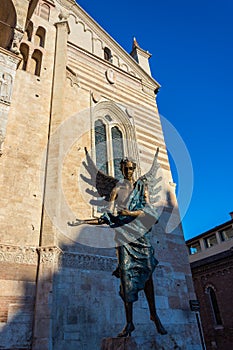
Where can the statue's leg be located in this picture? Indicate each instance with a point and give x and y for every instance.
(150, 296)
(129, 328)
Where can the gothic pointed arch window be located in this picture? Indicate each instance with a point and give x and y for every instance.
(109, 147)
(114, 138)
(214, 305)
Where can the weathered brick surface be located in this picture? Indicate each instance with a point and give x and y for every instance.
(218, 275)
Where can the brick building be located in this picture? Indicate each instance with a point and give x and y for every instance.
(211, 259)
(65, 84)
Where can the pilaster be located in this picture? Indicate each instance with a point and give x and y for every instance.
(59, 72)
(52, 170)
(47, 267)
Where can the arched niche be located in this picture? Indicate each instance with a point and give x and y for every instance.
(7, 23)
(24, 50)
(40, 37)
(36, 62)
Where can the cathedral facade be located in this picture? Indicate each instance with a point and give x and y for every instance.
(66, 85)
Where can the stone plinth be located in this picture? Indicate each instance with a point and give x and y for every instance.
(140, 343)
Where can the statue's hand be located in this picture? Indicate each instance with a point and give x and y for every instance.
(77, 222)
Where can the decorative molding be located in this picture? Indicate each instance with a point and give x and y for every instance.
(49, 255)
(18, 36)
(110, 75)
(205, 276)
(87, 262)
(18, 255)
(67, 3)
(130, 112)
(54, 255)
(134, 68)
(8, 59)
(29, 255)
(96, 97)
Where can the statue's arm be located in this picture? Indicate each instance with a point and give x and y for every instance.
(134, 213)
(97, 221)
(77, 222)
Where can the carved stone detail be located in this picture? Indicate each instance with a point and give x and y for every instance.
(130, 112)
(96, 96)
(72, 76)
(18, 255)
(6, 81)
(18, 36)
(87, 262)
(9, 60)
(63, 15)
(110, 75)
(49, 255)
(54, 255)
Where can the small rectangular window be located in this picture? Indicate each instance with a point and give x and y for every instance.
(211, 241)
(226, 234)
(194, 248)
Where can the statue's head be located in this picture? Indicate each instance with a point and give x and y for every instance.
(127, 168)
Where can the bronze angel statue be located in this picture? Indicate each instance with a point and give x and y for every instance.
(129, 208)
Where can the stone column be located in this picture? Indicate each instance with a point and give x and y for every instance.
(48, 264)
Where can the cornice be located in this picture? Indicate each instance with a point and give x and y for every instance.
(77, 10)
(87, 262)
(18, 255)
(49, 255)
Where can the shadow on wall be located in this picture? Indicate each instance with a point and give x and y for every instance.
(78, 302)
(75, 305)
(17, 316)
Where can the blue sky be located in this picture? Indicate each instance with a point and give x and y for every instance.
(191, 43)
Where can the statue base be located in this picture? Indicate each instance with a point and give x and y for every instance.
(140, 343)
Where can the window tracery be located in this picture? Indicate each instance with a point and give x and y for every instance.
(114, 138)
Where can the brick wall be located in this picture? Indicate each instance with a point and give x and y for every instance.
(216, 273)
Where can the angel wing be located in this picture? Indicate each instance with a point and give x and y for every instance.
(101, 183)
(153, 181)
